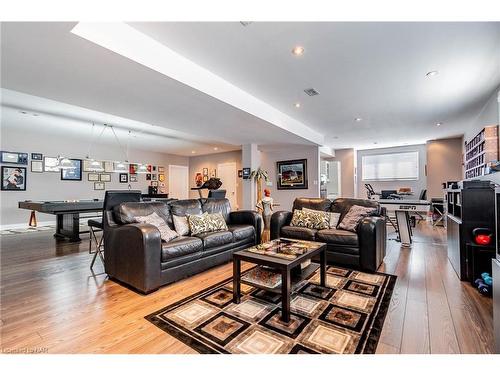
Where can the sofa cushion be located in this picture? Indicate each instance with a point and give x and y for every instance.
(214, 239)
(206, 223)
(310, 219)
(352, 219)
(343, 205)
(333, 217)
(241, 231)
(216, 205)
(337, 236)
(299, 233)
(181, 225)
(125, 213)
(154, 219)
(180, 246)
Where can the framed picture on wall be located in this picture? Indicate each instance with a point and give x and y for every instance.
(93, 176)
(205, 171)
(133, 178)
(14, 157)
(36, 156)
(132, 168)
(109, 166)
(154, 183)
(51, 164)
(240, 173)
(74, 172)
(37, 166)
(292, 174)
(123, 178)
(148, 176)
(105, 177)
(13, 178)
(161, 177)
(161, 169)
(99, 185)
(154, 177)
(93, 166)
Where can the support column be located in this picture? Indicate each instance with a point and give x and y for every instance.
(250, 158)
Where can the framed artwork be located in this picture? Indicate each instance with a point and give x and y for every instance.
(14, 157)
(123, 178)
(132, 168)
(154, 183)
(133, 178)
(109, 166)
(153, 168)
(214, 173)
(36, 156)
(37, 166)
(93, 176)
(50, 164)
(161, 169)
(148, 176)
(105, 177)
(162, 184)
(292, 174)
(205, 178)
(87, 167)
(13, 178)
(73, 173)
(198, 179)
(149, 167)
(245, 172)
(240, 173)
(154, 177)
(161, 177)
(205, 171)
(99, 185)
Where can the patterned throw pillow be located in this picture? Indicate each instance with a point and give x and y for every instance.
(166, 233)
(181, 225)
(206, 223)
(354, 216)
(333, 217)
(312, 220)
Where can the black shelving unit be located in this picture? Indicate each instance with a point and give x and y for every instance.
(470, 206)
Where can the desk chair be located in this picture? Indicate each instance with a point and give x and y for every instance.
(369, 191)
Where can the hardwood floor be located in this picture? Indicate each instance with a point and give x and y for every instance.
(51, 302)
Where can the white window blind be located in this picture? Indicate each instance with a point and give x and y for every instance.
(397, 166)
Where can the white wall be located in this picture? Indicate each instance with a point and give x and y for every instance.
(269, 157)
(489, 115)
(48, 186)
(416, 185)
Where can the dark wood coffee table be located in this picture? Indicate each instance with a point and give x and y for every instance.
(284, 266)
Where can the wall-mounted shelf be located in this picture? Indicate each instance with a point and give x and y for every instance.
(480, 150)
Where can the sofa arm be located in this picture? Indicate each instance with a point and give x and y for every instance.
(248, 217)
(133, 255)
(372, 236)
(278, 220)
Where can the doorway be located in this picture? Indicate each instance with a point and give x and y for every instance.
(227, 174)
(178, 181)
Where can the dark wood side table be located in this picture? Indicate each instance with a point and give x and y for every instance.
(288, 281)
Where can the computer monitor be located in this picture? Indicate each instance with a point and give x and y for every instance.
(386, 193)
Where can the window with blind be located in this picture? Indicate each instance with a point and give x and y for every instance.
(396, 166)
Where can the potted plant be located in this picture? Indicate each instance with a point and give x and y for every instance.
(259, 175)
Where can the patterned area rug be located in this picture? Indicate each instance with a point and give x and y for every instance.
(346, 317)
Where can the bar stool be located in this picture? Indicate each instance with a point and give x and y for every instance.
(95, 225)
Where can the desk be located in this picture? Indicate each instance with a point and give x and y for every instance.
(402, 208)
(67, 214)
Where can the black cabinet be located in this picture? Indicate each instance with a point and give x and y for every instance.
(471, 206)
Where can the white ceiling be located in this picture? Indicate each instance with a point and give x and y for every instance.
(375, 71)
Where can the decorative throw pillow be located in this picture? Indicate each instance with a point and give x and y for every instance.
(166, 233)
(333, 217)
(206, 223)
(311, 220)
(354, 216)
(181, 225)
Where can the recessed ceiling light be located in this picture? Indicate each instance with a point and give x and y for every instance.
(216, 148)
(193, 152)
(297, 105)
(432, 73)
(439, 124)
(298, 50)
(375, 143)
(358, 119)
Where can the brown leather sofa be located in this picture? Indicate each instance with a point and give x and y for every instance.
(364, 250)
(136, 256)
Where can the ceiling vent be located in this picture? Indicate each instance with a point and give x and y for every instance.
(245, 23)
(311, 92)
